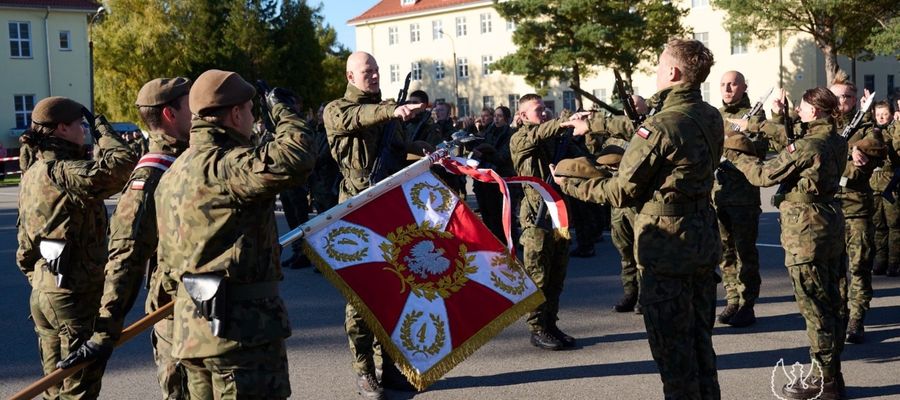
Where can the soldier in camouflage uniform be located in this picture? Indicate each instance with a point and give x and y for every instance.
(324, 180)
(811, 223)
(667, 171)
(163, 106)
(218, 240)
(886, 216)
(62, 233)
(356, 125)
(534, 146)
(493, 152)
(737, 208)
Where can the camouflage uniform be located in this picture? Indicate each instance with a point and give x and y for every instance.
(811, 224)
(668, 171)
(546, 257)
(488, 196)
(737, 208)
(216, 217)
(355, 125)
(324, 180)
(61, 198)
(886, 216)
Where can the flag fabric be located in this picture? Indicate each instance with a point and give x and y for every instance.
(429, 278)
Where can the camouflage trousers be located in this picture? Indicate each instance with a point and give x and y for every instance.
(679, 314)
(818, 297)
(62, 322)
(856, 292)
(546, 259)
(170, 374)
(739, 228)
(257, 372)
(490, 204)
(622, 234)
(366, 349)
(886, 219)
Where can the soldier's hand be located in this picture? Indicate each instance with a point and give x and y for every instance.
(407, 112)
(581, 126)
(859, 158)
(558, 179)
(581, 115)
(91, 120)
(280, 96)
(742, 123)
(778, 103)
(89, 351)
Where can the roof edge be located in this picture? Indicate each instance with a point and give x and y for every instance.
(358, 20)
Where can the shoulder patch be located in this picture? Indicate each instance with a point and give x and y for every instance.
(137, 184)
(159, 161)
(643, 132)
(791, 148)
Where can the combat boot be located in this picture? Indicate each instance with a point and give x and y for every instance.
(367, 386)
(727, 313)
(855, 331)
(743, 317)
(626, 303)
(566, 340)
(544, 340)
(831, 389)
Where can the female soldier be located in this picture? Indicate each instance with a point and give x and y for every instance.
(62, 231)
(809, 171)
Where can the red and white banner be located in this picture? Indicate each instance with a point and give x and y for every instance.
(429, 278)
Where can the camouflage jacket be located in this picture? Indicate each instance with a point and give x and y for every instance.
(533, 148)
(61, 198)
(667, 173)
(132, 243)
(811, 222)
(882, 176)
(608, 130)
(731, 187)
(501, 159)
(855, 193)
(216, 214)
(356, 125)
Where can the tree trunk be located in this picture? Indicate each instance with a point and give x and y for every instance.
(831, 64)
(576, 79)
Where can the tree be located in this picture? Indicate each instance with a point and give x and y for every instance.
(886, 40)
(838, 27)
(568, 39)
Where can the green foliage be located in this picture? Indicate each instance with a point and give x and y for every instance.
(285, 42)
(886, 39)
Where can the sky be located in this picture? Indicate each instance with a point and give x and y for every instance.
(337, 12)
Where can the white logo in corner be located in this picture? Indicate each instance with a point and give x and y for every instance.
(797, 378)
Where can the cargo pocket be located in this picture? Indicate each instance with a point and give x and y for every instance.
(655, 289)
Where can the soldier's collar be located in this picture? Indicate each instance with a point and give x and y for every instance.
(744, 102)
(356, 95)
(61, 149)
(203, 132)
(163, 143)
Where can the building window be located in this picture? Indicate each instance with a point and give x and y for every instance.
(437, 27)
(600, 94)
(738, 43)
(890, 87)
(869, 82)
(24, 104)
(462, 67)
(395, 73)
(488, 101)
(699, 3)
(64, 40)
(486, 23)
(510, 25)
(460, 26)
(462, 107)
(704, 91)
(20, 39)
(414, 33)
(551, 106)
(438, 70)
(486, 62)
(513, 102)
(569, 100)
(703, 37)
(416, 71)
(393, 35)
(407, 2)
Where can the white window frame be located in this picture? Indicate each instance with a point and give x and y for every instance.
(510, 25)
(68, 38)
(416, 69)
(438, 70)
(18, 39)
(486, 23)
(699, 3)
(437, 26)
(739, 43)
(23, 111)
(702, 37)
(486, 62)
(395, 73)
(461, 29)
(460, 108)
(704, 91)
(393, 35)
(513, 99)
(488, 102)
(462, 67)
(414, 33)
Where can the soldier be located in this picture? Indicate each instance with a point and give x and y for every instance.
(493, 152)
(442, 121)
(218, 240)
(62, 233)
(356, 125)
(668, 167)
(324, 180)
(483, 122)
(886, 216)
(534, 146)
(811, 223)
(163, 106)
(737, 208)
(421, 127)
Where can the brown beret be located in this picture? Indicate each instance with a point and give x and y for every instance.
(739, 142)
(581, 167)
(610, 155)
(216, 88)
(162, 91)
(871, 147)
(54, 110)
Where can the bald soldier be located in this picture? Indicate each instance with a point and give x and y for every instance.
(364, 131)
(217, 239)
(163, 106)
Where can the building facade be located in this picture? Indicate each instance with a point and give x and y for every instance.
(44, 52)
(449, 45)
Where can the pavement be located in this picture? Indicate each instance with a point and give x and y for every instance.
(612, 360)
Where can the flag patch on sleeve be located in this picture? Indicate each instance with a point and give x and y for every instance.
(643, 132)
(137, 184)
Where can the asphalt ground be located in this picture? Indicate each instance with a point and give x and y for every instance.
(612, 360)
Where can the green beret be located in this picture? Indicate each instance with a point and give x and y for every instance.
(739, 142)
(55, 110)
(215, 88)
(871, 147)
(162, 91)
(581, 167)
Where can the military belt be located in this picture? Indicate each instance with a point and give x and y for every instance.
(672, 209)
(808, 198)
(247, 291)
